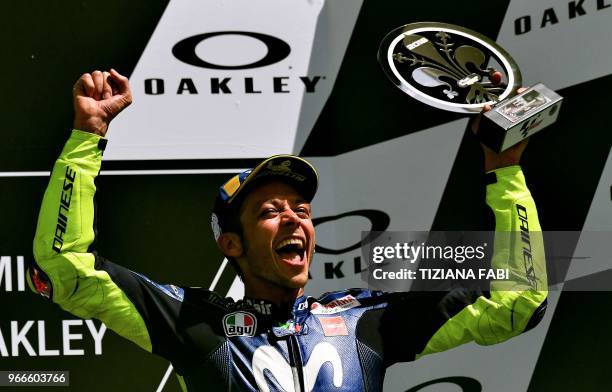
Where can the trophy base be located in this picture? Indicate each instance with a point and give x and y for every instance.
(515, 119)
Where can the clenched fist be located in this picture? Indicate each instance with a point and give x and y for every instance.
(97, 98)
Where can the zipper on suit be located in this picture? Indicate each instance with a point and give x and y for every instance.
(295, 357)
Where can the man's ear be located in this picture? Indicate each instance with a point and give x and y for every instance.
(230, 244)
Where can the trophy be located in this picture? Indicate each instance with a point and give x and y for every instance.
(457, 69)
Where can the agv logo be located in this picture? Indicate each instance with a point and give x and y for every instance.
(239, 324)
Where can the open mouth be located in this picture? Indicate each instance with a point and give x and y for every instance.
(291, 250)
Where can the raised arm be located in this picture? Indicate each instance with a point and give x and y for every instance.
(515, 305)
(66, 269)
(512, 306)
(437, 321)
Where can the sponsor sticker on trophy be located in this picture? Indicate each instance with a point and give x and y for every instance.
(460, 70)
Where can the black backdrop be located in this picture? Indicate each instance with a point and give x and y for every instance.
(146, 221)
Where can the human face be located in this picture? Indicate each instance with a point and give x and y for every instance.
(278, 237)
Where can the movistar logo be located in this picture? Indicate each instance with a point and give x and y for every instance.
(267, 357)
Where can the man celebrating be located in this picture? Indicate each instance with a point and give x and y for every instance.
(275, 338)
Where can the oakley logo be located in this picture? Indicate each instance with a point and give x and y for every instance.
(379, 219)
(185, 50)
(267, 357)
(466, 384)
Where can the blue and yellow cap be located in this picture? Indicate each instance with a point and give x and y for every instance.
(291, 169)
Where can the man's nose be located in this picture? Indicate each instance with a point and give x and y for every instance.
(289, 217)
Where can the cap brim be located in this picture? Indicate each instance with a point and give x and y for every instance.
(291, 169)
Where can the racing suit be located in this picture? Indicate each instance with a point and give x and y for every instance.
(340, 341)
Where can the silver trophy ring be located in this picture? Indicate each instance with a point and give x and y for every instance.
(448, 67)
